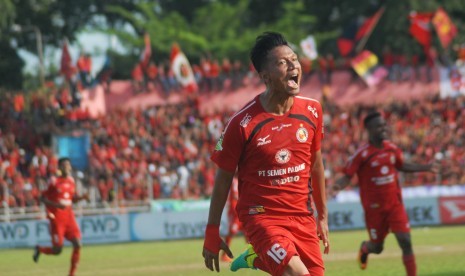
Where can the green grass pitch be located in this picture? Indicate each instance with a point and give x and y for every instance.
(440, 251)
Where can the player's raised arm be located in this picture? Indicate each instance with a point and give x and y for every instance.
(319, 196)
(433, 167)
(213, 242)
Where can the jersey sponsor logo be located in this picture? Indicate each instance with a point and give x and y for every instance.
(280, 127)
(219, 145)
(263, 141)
(313, 111)
(302, 135)
(246, 120)
(283, 156)
(282, 181)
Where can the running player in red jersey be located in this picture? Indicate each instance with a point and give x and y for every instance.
(58, 199)
(234, 224)
(377, 164)
(274, 144)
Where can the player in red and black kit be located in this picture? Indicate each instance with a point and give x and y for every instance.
(274, 144)
(58, 199)
(377, 164)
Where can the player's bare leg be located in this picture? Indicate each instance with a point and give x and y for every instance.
(405, 242)
(55, 250)
(366, 248)
(75, 256)
(295, 267)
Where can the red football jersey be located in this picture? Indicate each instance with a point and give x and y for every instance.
(376, 169)
(61, 190)
(272, 155)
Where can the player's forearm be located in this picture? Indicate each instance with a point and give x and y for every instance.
(319, 190)
(341, 183)
(411, 167)
(50, 203)
(223, 181)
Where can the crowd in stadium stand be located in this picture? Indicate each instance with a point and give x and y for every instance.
(163, 151)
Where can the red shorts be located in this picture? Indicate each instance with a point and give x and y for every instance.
(60, 229)
(380, 221)
(277, 239)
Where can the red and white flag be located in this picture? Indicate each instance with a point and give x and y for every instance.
(182, 69)
(146, 53)
(420, 28)
(66, 65)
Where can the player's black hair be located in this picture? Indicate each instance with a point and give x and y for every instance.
(370, 116)
(63, 159)
(263, 45)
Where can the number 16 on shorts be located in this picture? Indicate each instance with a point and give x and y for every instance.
(277, 253)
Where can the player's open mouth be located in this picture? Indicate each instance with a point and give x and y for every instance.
(293, 81)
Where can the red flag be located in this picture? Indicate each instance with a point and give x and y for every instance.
(66, 65)
(420, 28)
(369, 24)
(445, 29)
(146, 53)
(182, 69)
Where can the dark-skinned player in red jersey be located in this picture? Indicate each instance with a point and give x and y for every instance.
(377, 164)
(274, 143)
(58, 199)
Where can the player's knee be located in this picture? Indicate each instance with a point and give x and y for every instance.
(378, 248)
(406, 246)
(56, 250)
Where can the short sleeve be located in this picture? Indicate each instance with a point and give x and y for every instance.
(229, 148)
(352, 165)
(319, 133)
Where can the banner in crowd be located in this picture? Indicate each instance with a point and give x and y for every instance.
(146, 52)
(182, 69)
(75, 146)
(366, 66)
(66, 64)
(451, 81)
(309, 48)
(445, 29)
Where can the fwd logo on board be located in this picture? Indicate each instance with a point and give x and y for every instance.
(13, 231)
(100, 225)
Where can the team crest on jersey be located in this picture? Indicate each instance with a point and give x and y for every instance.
(313, 110)
(283, 156)
(302, 135)
(219, 145)
(246, 120)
